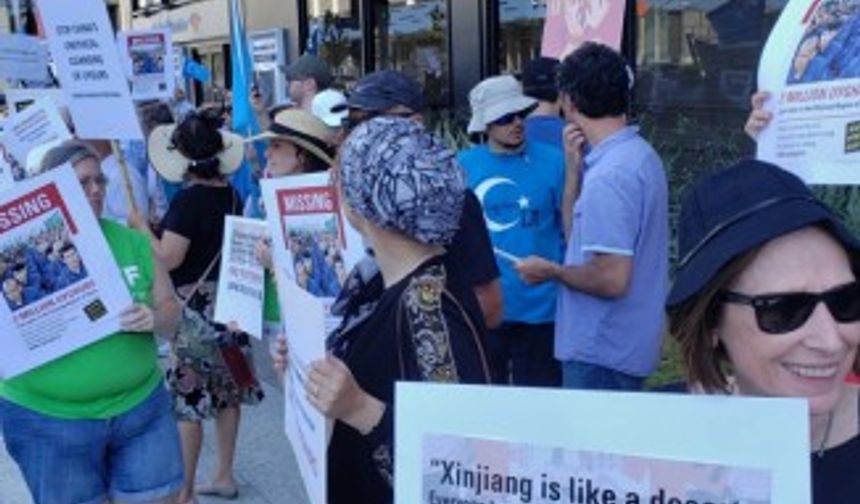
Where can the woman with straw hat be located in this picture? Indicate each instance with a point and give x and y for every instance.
(204, 383)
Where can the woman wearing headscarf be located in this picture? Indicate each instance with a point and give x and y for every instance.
(767, 303)
(210, 374)
(96, 425)
(403, 191)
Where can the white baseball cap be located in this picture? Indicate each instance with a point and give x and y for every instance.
(324, 102)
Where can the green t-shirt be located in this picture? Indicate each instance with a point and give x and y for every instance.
(110, 376)
(271, 306)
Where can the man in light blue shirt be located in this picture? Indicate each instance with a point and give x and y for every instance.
(609, 319)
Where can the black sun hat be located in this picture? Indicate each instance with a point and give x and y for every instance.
(737, 209)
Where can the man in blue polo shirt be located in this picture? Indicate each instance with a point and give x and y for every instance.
(614, 277)
(521, 188)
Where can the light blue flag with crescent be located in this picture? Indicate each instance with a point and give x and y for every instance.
(246, 179)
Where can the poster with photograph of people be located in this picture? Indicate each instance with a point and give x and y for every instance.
(62, 289)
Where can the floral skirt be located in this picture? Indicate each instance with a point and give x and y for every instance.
(199, 379)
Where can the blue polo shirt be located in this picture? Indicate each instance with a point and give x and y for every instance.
(622, 209)
(521, 195)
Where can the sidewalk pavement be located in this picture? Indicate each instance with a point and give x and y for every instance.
(265, 468)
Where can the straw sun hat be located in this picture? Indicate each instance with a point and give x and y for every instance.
(172, 164)
(303, 129)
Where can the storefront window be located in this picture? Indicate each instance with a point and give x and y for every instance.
(520, 32)
(334, 34)
(699, 57)
(411, 37)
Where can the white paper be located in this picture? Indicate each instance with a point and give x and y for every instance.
(36, 125)
(528, 432)
(147, 57)
(23, 57)
(56, 307)
(307, 429)
(83, 47)
(809, 66)
(19, 99)
(318, 245)
(241, 282)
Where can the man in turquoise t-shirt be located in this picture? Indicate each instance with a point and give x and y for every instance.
(521, 186)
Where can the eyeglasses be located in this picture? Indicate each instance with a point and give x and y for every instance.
(100, 181)
(784, 312)
(509, 118)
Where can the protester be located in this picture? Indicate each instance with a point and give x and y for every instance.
(520, 185)
(116, 204)
(308, 76)
(420, 330)
(96, 425)
(211, 371)
(609, 321)
(298, 144)
(767, 284)
(470, 254)
(544, 124)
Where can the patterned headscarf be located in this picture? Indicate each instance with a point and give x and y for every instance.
(399, 177)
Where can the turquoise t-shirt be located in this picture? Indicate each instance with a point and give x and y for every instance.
(521, 196)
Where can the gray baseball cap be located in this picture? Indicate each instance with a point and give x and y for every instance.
(310, 66)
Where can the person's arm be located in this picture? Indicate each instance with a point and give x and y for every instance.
(759, 118)
(170, 249)
(165, 306)
(490, 300)
(574, 140)
(605, 275)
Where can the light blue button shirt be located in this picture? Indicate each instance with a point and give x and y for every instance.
(622, 209)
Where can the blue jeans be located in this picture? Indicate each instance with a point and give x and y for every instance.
(132, 457)
(582, 375)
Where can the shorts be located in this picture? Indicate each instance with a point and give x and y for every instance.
(132, 457)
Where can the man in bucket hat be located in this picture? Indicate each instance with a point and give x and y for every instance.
(521, 187)
(609, 319)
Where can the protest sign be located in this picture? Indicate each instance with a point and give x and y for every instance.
(570, 23)
(811, 67)
(36, 126)
(18, 99)
(23, 57)
(82, 45)
(241, 281)
(307, 223)
(307, 429)
(64, 290)
(483, 445)
(147, 57)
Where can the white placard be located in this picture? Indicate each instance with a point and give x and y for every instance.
(147, 57)
(36, 125)
(307, 429)
(23, 57)
(241, 281)
(504, 444)
(83, 46)
(811, 69)
(19, 99)
(307, 223)
(54, 304)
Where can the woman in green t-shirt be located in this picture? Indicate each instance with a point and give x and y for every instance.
(96, 425)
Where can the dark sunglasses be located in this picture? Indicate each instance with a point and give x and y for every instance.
(784, 312)
(509, 118)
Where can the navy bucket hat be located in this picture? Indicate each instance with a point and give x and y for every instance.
(737, 209)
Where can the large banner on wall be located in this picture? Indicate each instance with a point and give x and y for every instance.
(811, 67)
(570, 23)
